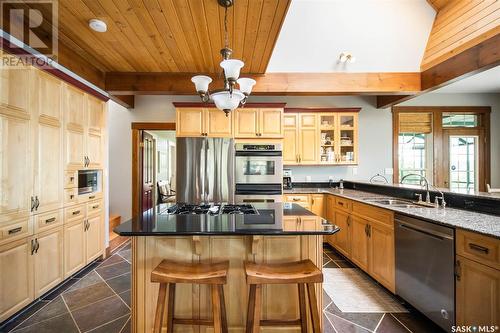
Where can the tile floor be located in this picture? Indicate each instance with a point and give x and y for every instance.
(97, 300)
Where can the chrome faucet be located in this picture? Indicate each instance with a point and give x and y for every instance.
(378, 175)
(427, 195)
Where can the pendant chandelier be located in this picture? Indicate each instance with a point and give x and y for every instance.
(228, 98)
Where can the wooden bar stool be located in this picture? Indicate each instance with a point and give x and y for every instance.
(168, 273)
(304, 273)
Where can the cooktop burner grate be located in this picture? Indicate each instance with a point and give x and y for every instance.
(239, 209)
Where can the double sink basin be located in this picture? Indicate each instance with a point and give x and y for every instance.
(395, 202)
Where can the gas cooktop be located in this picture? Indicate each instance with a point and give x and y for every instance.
(211, 209)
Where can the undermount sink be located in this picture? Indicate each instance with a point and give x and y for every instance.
(393, 202)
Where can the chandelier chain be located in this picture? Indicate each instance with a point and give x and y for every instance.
(226, 38)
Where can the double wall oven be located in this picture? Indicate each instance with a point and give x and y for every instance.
(258, 172)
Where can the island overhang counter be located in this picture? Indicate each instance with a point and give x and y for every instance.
(280, 232)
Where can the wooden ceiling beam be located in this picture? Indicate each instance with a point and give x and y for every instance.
(307, 84)
(479, 58)
(127, 101)
(386, 101)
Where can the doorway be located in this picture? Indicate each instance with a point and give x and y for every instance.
(153, 165)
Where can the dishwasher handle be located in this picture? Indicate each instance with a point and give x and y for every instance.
(431, 233)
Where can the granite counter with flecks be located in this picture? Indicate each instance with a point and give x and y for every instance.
(457, 218)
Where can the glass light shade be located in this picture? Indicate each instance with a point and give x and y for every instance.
(246, 85)
(232, 68)
(225, 101)
(201, 82)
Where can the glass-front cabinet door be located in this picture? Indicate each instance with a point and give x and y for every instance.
(347, 136)
(328, 132)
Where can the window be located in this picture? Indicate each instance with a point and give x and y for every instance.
(412, 156)
(460, 120)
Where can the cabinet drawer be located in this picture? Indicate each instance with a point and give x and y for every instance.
(70, 179)
(94, 207)
(87, 197)
(373, 213)
(70, 196)
(343, 204)
(16, 230)
(48, 220)
(297, 198)
(483, 249)
(75, 212)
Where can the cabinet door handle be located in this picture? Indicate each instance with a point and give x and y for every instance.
(92, 197)
(349, 221)
(76, 212)
(37, 245)
(366, 229)
(95, 207)
(458, 270)
(369, 230)
(32, 203)
(15, 230)
(32, 246)
(37, 203)
(479, 248)
(52, 219)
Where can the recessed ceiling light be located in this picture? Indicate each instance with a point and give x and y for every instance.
(98, 25)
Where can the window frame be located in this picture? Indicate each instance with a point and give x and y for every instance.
(439, 142)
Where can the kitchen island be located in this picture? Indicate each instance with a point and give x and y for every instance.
(277, 233)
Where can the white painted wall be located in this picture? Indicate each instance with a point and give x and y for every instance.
(383, 35)
(375, 136)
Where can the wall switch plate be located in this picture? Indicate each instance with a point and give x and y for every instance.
(389, 171)
(354, 171)
(308, 178)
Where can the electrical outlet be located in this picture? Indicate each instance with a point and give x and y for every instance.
(308, 178)
(354, 171)
(389, 171)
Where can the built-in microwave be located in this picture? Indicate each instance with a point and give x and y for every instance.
(259, 163)
(89, 181)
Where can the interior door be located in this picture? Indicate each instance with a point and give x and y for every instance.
(148, 171)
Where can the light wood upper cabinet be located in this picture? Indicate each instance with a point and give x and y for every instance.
(48, 134)
(95, 150)
(382, 255)
(290, 138)
(197, 122)
(16, 279)
(217, 124)
(329, 138)
(16, 149)
(271, 123)
(258, 123)
(75, 121)
(477, 293)
(48, 260)
(12, 81)
(75, 107)
(246, 123)
(190, 122)
(95, 118)
(308, 139)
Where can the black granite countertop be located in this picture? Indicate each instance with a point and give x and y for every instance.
(269, 221)
(458, 218)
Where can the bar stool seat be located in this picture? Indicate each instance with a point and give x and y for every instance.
(168, 273)
(303, 273)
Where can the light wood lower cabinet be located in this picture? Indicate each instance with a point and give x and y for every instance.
(48, 260)
(318, 204)
(74, 246)
(382, 255)
(359, 242)
(343, 237)
(477, 293)
(93, 237)
(16, 277)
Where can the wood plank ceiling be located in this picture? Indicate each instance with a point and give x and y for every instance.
(171, 35)
(460, 25)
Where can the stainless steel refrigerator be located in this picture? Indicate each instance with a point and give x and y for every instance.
(205, 170)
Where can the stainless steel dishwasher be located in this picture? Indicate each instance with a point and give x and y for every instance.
(425, 274)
